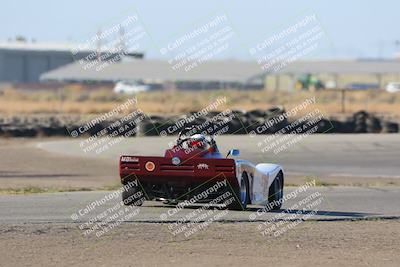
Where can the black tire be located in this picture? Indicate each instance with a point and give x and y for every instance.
(241, 197)
(133, 196)
(360, 126)
(390, 127)
(347, 126)
(276, 192)
(235, 127)
(337, 126)
(360, 115)
(275, 111)
(255, 114)
(373, 125)
(147, 128)
(323, 126)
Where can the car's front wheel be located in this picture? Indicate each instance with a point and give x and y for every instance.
(275, 195)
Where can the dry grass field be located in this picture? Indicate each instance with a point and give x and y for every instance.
(76, 99)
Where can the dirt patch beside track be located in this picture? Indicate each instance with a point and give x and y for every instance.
(25, 166)
(361, 243)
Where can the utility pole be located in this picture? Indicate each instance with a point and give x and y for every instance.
(98, 44)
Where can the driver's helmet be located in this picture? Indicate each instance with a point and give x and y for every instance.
(198, 141)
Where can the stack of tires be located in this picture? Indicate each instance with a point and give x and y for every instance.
(266, 121)
(150, 126)
(276, 115)
(237, 123)
(364, 122)
(390, 127)
(254, 119)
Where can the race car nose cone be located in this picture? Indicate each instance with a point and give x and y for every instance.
(176, 161)
(150, 166)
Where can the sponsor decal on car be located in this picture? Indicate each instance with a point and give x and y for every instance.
(176, 161)
(129, 159)
(202, 166)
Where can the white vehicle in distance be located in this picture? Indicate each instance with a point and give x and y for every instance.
(393, 87)
(124, 87)
(330, 85)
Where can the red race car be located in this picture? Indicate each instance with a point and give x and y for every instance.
(195, 171)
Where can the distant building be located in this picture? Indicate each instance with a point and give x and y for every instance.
(231, 74)
(160, 74)
(23, 62)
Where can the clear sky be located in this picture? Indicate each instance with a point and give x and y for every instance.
(355, 28)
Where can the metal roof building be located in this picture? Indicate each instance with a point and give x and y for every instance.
(156, 70)
(226, 71)
(23, 62)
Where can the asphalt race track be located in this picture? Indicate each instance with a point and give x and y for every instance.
(367, 156)
(338, 203)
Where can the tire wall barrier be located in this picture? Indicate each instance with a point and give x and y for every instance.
(237, 122)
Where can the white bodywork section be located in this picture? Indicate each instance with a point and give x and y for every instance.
(260, 176)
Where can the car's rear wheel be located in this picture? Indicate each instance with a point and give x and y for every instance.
(276, 193)
(241, 197)
(133, 196)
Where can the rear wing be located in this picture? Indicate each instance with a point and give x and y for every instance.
(165, 169)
